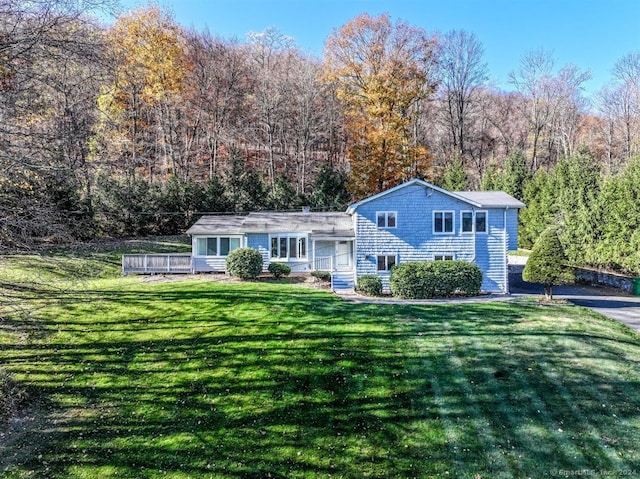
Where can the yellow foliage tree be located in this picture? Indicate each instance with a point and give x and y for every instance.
(381, 72)
(150, 66)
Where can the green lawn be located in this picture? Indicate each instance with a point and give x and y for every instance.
(198, 379)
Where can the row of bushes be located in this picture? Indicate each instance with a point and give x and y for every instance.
(413, 280)
(427, 279)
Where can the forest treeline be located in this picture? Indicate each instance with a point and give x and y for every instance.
(135, 127)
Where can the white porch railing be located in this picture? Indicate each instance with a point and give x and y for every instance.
(323, 263)
(156, 263)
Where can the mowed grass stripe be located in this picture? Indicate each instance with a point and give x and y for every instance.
(532, 425)
(197, 379)
(573, 398)
(484, 455)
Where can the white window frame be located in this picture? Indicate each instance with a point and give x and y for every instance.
(386, 219)
(444, 257)
(218, 243)
(300, 238)
(486, 222)
(474, 221)
(453, 222)
(386, 257)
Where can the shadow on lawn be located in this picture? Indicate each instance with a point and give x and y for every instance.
(241, 382)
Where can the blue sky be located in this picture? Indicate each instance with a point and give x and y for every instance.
(592, 34)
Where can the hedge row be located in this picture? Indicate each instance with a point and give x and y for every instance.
(435, 279)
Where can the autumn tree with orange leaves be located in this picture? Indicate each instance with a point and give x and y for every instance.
(381, 72)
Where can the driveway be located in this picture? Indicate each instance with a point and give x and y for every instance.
(609, 302)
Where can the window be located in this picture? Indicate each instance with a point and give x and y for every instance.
(481, 221)
(228, 244)
(289, 247)
(470, 220)
(443, 221)
(386, 262)
(443, 257)
(216, 246)
(467, 221)
(386, 219)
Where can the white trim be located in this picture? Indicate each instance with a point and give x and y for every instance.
(394, 255)
(453, 257)
(473, 225)
(195, 238)
(474, 222)
(352, 208)
(443, 232)
(486, 222)
(386, 219)
(288, 236)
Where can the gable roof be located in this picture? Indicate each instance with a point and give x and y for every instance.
(478, 199)
(329, 224)
(412, 182)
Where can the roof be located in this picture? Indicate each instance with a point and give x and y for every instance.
(491, 199)
(414, 181)
(217, 223)
(478, 199)
(327, 224)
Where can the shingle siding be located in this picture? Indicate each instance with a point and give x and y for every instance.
(413, 238)
(260, 241)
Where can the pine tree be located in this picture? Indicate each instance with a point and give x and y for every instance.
(541, 198)
(547, 264)
(455, 176)
(515, 175)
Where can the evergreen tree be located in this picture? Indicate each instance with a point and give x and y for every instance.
(455, 176)
(547, 264)
(282, 196)
(216, 198)
(330, 190)
(577, 183)
(515, 175)
(540, 196)
(618, 212)
(490, 178)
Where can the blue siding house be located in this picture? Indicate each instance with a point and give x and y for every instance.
(415, 221)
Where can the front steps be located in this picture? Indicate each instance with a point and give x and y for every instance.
(342, 281)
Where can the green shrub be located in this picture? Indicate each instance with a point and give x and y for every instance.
(244, 263)
(547, 263)
(435, 279)
(11, 396)
(279, 269)
(370, 285)
(322, 275)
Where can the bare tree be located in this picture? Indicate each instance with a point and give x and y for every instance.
(462, 72)
(50, 69)
(551, 104)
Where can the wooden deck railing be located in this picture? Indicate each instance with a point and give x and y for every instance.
(156, 263)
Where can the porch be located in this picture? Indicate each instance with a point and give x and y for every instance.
(332, 255)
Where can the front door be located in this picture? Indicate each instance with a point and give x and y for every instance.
(343, 255)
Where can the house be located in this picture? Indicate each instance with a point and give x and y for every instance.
(414, 221)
